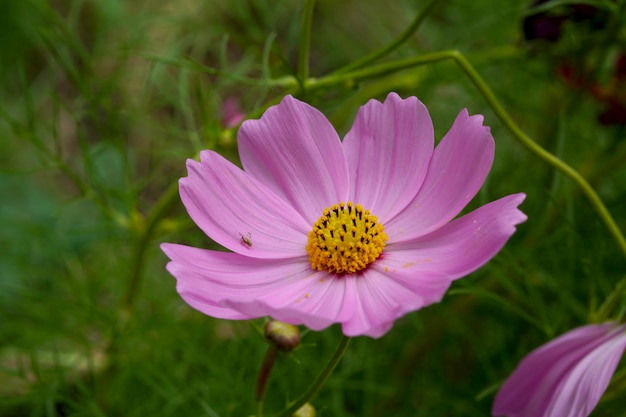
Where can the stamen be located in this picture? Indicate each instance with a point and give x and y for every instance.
(345, 239)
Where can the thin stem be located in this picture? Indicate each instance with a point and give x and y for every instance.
(321, 379)
(403, 37)
(264, 376)
(534, 147)
(160, 209)
(611, 302)
(305, 41)
(375, 70)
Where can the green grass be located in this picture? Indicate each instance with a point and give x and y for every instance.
(102, 102)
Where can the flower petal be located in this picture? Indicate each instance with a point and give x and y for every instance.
(388, 150)
(465, 244)
(316, 300)
(233, 286)
(565, 377)
(380, 297)
(582, 390)
(295, 151)
(457, 170)
(416, 275)
(365, 304)
(207, 279)
(231, 207)
(529, 389)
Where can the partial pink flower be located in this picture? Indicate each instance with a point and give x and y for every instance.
(232, 114)
(322, 231)
(566, 377)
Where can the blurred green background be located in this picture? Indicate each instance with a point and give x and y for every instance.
(101, 102)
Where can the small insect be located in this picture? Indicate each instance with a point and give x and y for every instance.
(247, 239)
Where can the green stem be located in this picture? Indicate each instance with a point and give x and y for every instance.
(611, 302)
(375, 71)
(534, 147)
(156, 215)
(305, 41)
(406, 34)
(321, 379)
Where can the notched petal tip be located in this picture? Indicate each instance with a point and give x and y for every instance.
(388, 149)
(296, 152)
(472, 123)
(458, 168)
(395, 98)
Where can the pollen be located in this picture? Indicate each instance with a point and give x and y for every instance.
(345, 239)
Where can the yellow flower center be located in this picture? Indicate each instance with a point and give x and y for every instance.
(345, 239)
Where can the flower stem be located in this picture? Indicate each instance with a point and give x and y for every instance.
(321, 379)
(375, 70)
(139, 251)
(264, 375)
(612, 301)
(406, 34)
(305, 41)
(534, 147)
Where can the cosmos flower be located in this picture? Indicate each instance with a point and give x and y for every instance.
(566, 377)
(232, 113)
(322, 231)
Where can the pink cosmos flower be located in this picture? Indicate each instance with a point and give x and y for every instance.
(232, 113)
(323, 231)
(566, 377)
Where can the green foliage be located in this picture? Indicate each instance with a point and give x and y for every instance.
(102, 102)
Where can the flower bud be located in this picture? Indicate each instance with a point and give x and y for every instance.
(307, 410)
(285, 337)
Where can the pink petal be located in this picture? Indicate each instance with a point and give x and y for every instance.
(415, 274)
(566, 377)
(388, 151)
(316, 300)
(457, 170)
(207, 279)
(465, 244)
(232, 207)
(379, 297)
(588, 381)
(295, 151)
(365, 304)
(233, 286)
(529, 388)
(406, 278)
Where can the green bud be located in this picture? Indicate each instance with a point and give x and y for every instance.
(285, 337)
(307, 410)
